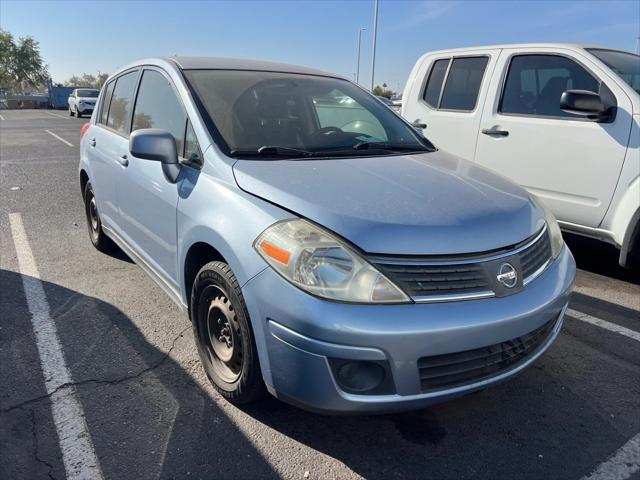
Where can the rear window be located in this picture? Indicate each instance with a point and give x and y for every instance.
(121, 102)
(463, 83)
(108, 92)
(434, 84)
(87, 93)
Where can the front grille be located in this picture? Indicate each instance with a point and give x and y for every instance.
(463, 276)
(438, 279)
(535, 256)
(451, 370)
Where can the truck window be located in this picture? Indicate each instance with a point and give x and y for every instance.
(535, 84)
(157, 106)
(463, 83)
(434, 84)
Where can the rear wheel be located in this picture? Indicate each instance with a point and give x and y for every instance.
(224, 336)
(98, 238)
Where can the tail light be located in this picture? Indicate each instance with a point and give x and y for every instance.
(84, 129)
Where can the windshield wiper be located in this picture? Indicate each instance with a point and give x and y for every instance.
(397, 147)
(274, 151)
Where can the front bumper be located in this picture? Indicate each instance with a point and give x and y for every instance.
(297, 335)
(85, 109)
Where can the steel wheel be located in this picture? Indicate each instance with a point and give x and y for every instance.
(223, 338)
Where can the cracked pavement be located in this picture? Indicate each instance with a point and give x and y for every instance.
(152, 414)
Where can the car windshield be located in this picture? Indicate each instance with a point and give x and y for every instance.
(87, 93)
(283, 114)
(626, 65)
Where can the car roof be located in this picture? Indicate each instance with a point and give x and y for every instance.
(221, 63)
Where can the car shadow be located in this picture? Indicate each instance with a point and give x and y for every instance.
(599, 257)
(147, 416)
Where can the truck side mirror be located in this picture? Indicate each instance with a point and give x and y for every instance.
(585, 103)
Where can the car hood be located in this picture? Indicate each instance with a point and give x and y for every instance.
(420, 204)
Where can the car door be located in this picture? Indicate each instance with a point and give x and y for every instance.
(147, 200)
(109, 144)
(571, 162)
(450, 97)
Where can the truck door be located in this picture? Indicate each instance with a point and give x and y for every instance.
(572, 163)
(448, 94)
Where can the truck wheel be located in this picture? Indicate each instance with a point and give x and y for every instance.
(78, 114)
(98, 238)
(224, 336)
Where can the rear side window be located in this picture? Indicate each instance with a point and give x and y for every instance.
(535, 84)
(157, 106)
(463, 83)
(106, 101)
(121, 102)
(434, 84)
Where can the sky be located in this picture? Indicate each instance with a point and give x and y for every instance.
(86, 37)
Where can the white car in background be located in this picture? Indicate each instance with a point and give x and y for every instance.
(562, 120)
(82, 101)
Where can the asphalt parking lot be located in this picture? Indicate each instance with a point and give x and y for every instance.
(150, 411)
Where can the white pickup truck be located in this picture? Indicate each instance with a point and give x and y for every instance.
(562, 120)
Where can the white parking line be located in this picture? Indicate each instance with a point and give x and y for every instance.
(622, 464)
(57, 115)
(1, 118)
(78, 455)
(59, 138)
(612, 327)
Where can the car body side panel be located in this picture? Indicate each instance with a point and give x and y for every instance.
(626, 200)
(221, 215)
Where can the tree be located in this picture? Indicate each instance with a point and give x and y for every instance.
(21, 64)
(87, 80)
(383, 91)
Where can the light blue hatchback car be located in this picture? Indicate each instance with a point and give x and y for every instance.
(324, 250)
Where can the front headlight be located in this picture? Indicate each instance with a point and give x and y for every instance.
(321, 264)
(555, 235)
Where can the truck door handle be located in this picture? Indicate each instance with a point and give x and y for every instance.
(418, 124)
(495, 131)
(92, 142)
(123, 160)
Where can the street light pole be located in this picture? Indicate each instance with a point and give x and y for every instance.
(359, 44)
(375, 34)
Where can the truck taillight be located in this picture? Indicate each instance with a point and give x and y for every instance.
(84, 129)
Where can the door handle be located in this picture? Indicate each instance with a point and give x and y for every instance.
(123, 160)
(418, 124)
(495, 131)
(92, 142)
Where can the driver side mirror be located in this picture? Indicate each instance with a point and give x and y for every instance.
(159, 146)
(585, 103)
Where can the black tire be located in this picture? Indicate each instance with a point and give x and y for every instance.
(78, 114)
(98, 238)
(223, 333)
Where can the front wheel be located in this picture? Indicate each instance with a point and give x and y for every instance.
(223, 333)
(78, 114)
